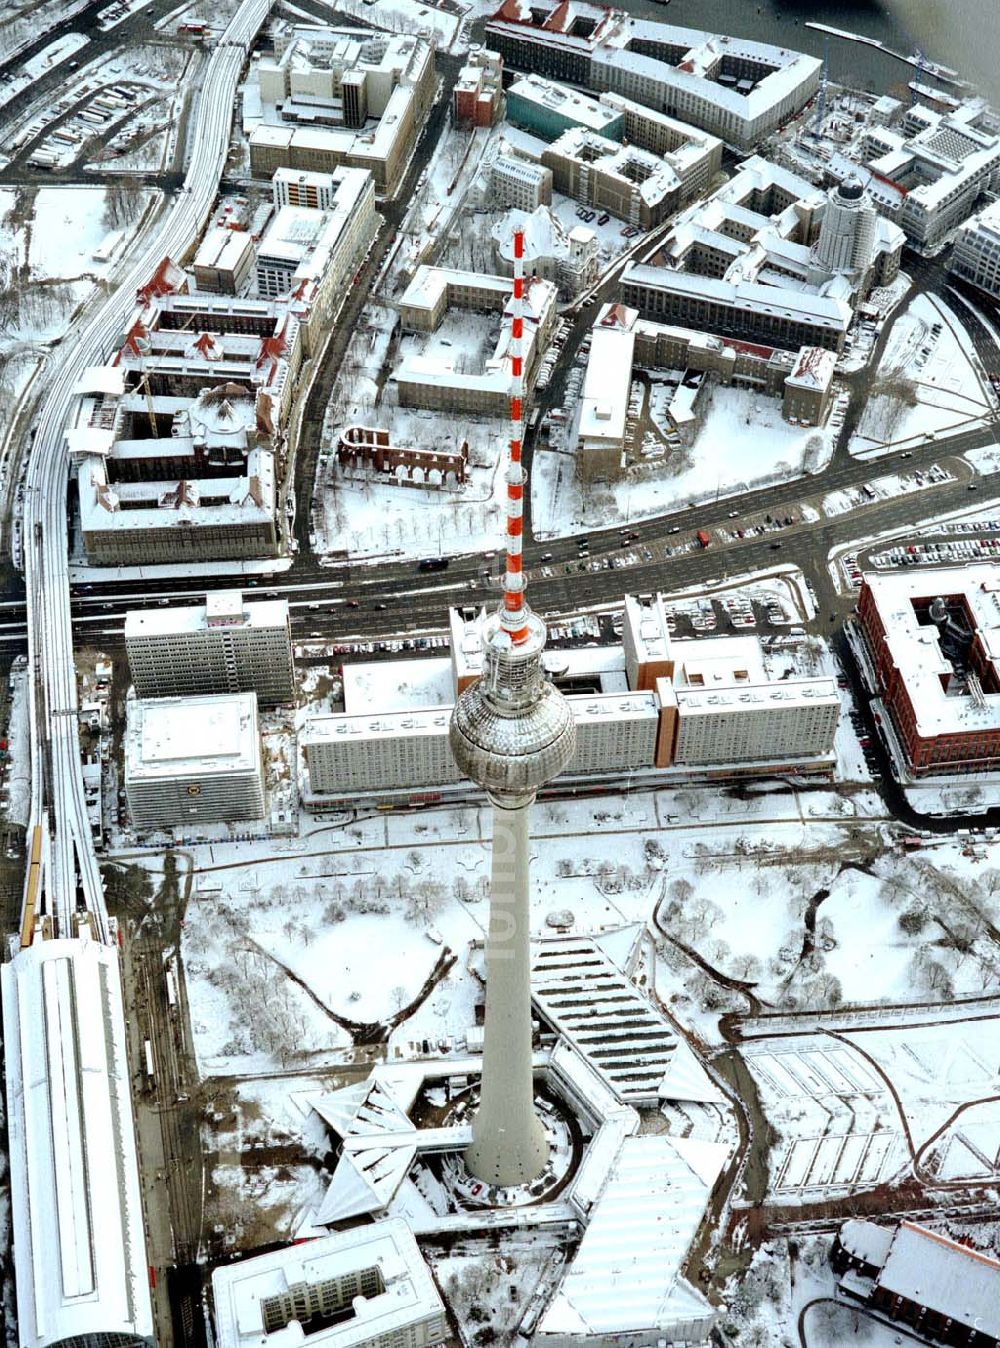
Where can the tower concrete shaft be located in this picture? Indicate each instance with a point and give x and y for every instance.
(509, 1145)
(510, 732)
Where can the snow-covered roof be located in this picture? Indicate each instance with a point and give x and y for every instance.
(223, 248)
(933, 1271)
(866, 1241)
(814, 368)
(655, 177)
(79, 1248)
(169, 736)
(606, 386)
(798, 306)
(164, 622)
(569, 103)
(397, 685)
(400, 1297)
(625, 1277)
(611, 39)
(915, 646)
(108, 379)
(604, 1016)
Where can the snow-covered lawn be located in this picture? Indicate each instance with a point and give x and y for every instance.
(67, 228)
(743, 443)
(917, 394)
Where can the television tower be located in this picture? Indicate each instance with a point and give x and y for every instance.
(510, 732)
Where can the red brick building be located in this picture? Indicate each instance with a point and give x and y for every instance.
(933, 640)
(944, 1290)
(478, 93)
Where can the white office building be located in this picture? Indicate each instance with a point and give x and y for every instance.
(976, 258)
(222, 646)
(364, 1288)
(313, 253)
(518, 183)
(193, 760)
(928, 171)
(297, 187)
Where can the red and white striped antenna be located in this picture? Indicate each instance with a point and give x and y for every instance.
(514, 616)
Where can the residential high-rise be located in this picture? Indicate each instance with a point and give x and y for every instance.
(225, 645)
(510, 732)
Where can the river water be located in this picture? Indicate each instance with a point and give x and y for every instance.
(783, 23)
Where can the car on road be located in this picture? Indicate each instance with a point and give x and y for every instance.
(775, 547)
(546, 557)
(353, 603)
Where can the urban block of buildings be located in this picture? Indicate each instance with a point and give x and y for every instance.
(622, 342)
(364, 1288)
(611, 153)
(434, 375)
(569, 258)
(735, 88)
(477, 98)
(193, 760)
(226, 645)
(928, 170)
(931, 643)
(976, 256)
(332, 97)
(715, 706)
(933, 1285)
(769, 259)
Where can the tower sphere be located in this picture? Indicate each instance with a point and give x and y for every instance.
(512, 731)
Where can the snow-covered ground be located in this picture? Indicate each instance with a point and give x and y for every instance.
(927, 382)
(743, 443)
(405, 16)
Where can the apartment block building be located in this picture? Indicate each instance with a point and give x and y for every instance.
(225, 645)
(314, 191)
(767, 259)
(440, 382)
(547, 109)
(735, 88)
(976, 257)
(193, 760)
(933, 646)
(713, 707)
(744, 311)
(368, 1287)
(928, 172)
